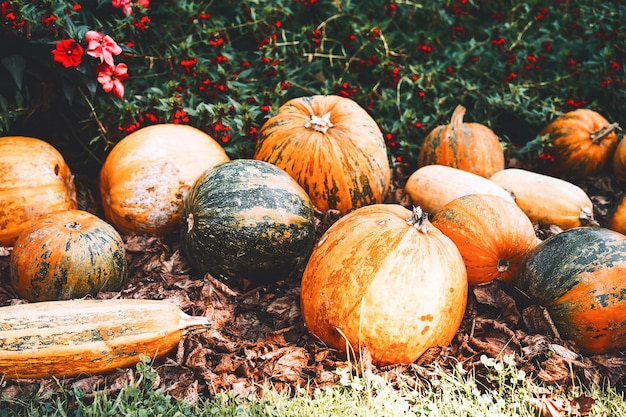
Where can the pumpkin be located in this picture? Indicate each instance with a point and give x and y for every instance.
(146, 176)
(619, 161)
(433, 186)
(578, 276)
(60, 339)
(35, 181)
(384, 278)
(471, 147)
(247, 219)
(580, 143)
(332, 147)
(492, 234)
(617, 216)
(546, 199)
(67, 254)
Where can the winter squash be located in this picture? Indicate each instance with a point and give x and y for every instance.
(67, 254)
(546, 199)
(61, 339)
(580, 143)
(146, 176)
(578, 276)
(619, 161)
(384, 278)
(35, 181)
(471, 147)
(247, 219)
(332, 147)
(433, 186)
(492, 234)
(617, 216)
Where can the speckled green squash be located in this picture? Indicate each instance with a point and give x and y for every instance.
(578, 275)
(247, 219)
(67, 254)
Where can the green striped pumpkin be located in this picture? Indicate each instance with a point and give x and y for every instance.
(247, 219)
(332, 147)
(67, 254)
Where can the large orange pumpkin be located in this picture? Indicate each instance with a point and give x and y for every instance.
(332, 147)
(493, 235)
(34, 180)
(580, 143)
(471, 147)
(384, 278)
(147, 175)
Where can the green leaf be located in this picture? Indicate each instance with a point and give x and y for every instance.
(15, 64)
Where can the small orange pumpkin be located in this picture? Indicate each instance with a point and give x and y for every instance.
(492, 234)
(617, 216)
(619, 161)
(147, 175)
(35, 180)
(384, 278)
(332, 147)
(67, 254)
(580, 144)
(471, 147)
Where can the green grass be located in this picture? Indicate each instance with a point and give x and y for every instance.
(501, 390)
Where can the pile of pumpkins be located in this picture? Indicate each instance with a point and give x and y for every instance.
(382, 276)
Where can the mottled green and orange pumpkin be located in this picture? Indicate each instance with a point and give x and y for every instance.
(146, 176)
(493, 235)
(384, 278)
(247, 219)
(468, 146)
(34, 180)
(332, 147)
(580, 144)
(578, 276)
(67, 254)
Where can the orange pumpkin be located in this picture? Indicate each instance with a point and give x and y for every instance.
(67, 254)
(332, 147)
(580, 143)
(617, 216)
(34, 180)
(147, 175)
(384, 278)
(471, 147)
(619, 161)
(492, 234)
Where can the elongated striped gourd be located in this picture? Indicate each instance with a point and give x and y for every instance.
(73, 337)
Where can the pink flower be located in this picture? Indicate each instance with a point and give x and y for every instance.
(126, 6)
(68, 52)
(111, 78)
(101, 46)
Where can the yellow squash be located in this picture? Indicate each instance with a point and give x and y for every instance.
(68, 338)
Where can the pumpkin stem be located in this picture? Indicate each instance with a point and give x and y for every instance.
(598, 135)
(418, 219)
(457, 116)
(503, 265)
(73, 225)
(319, 124)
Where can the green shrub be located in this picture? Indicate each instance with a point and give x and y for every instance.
(225, 66)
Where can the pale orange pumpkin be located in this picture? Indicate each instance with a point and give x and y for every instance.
(147, 175)
(384, 278)
(34, 180)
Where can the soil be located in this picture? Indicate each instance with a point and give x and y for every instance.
(258, 340)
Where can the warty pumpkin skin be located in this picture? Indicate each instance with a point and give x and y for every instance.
(35, 181)
(581, 142)
(546, 199)
(146, 176)
(433, 186)
(247, 219)
(492, 234)
(61, 339)
(578, 275)
(471, 147)
(67, 254)
(384, 278)
(332, 147)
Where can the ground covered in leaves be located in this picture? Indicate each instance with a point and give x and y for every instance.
(258, 338)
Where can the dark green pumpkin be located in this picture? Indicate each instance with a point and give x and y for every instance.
(67, 254)
(578, 275)
(247, 219)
